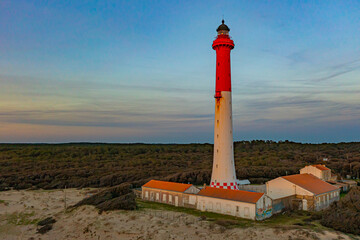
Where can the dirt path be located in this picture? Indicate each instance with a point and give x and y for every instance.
(20, 210)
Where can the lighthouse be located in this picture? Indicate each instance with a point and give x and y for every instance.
(223, 171)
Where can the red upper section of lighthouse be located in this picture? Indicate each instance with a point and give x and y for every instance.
(223, 45)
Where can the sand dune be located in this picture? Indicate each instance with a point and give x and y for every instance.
(20, 210)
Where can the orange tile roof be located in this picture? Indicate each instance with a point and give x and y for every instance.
(171, 186)
(235, 195)
(310, 183)
(321, 167)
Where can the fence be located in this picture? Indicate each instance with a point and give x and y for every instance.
(253, 188)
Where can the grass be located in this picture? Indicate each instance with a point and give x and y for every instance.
(343, 194)
(209, 216)
(21, 218)
(286, 220)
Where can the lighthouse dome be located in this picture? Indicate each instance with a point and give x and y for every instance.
(223, 27)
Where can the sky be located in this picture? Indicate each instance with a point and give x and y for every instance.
(144, 71)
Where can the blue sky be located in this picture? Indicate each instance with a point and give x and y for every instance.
(144, 71)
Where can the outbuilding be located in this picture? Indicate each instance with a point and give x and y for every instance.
(318, 170)
(244, 204)
(303, 191)
(177, 194)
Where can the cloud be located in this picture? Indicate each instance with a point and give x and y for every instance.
(332, 71)
(99, 118)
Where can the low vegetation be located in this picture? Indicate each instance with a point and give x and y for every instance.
(113, 198)
(45, 225)
(285, 220)
(51, 166)
(300, 220)
(21, 218)
(344, 215)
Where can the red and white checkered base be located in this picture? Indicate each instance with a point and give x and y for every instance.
(230, 185)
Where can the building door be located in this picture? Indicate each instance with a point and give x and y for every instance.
(176, 201)
(304, 205)
(246, 212)
(202, 205)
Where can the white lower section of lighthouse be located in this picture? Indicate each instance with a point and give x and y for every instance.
(223, 172)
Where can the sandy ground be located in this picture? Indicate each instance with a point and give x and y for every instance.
(19, 210)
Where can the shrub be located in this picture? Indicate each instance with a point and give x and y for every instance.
(118, 197)
(345, 214)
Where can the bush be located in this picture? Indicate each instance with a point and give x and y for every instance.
(46, 221)
(345, 214)
(118, 197)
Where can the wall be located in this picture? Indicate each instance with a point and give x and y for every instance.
(324, 175)
(254, 188)
(264, 208)
(281, 204)
(228, 207)
(163, 196)
(280, 188)
(323, 201)
(192, 189)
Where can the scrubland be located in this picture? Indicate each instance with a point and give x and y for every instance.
(52, 166)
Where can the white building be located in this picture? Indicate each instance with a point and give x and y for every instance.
(318, 170)
(244, 204)
(301, 191)
(238, 203)
(177, 194)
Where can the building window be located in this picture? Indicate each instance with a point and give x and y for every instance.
(218, 207)
(246, 212)
(237, 208)
(146, 194)
(170, 199)
(164, 197)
